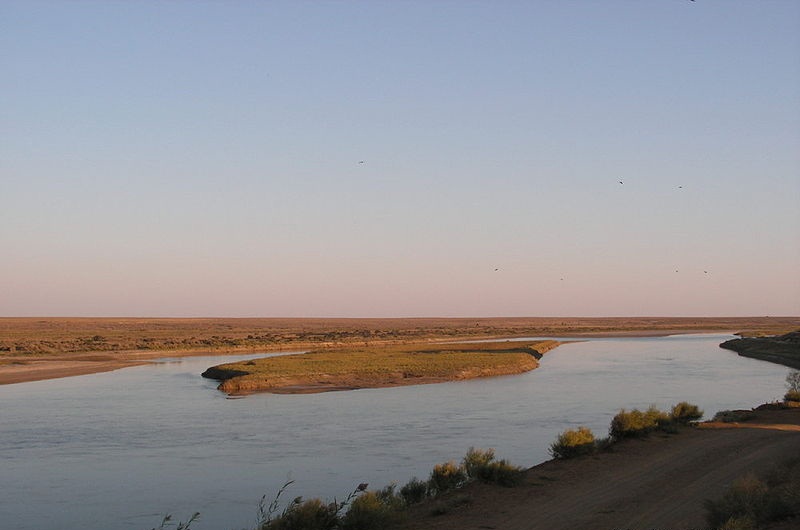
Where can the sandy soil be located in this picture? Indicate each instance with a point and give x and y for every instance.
(656, 483)
(19, 369)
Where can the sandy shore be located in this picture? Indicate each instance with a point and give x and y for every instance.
(659, 482)
(18, 369)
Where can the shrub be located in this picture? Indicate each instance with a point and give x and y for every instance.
(656, 419)
(684, 412)
(629, 424)
(446, 477)
(748, 501)
(480, 465)
(476, 459)
(373, 510)
(415, 491)
(500, 472)
(312, 514)
(793, 381)
(603, 444)
(792, 395)
(572, 443)
(637, 423)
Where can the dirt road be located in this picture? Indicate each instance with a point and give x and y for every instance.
(658, 483)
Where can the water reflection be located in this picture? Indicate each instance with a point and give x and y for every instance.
(115, 450)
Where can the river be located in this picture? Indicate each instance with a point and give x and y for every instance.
(118, 450)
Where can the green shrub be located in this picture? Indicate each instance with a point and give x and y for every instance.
(312, 514)
(603, 444)
(374, 510)
(793, 381)
(657, 419)
(476, 459)
(500, 472)
(637, 423)
(629, 424)
(792, 395)
(446, 477)
(572, 443)
(479, 464)
(684, 413)
(415, 491)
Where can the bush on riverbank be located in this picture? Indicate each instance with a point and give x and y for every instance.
(445, 477)
(636, 423)
(415, 491)
(792, 386)
(572, 443)
(481, 465)
(684, 413)
(375, 509)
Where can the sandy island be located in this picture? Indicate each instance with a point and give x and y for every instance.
(379, 366)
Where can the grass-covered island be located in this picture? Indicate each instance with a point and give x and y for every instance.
(780, 349)
(374, 366)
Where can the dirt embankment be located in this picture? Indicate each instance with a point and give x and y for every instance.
(780, 349)
(659, 482)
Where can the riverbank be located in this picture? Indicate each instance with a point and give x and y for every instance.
(34, 349)
(780, 349)
(660, 481)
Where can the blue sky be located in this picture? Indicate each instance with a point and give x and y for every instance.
(203, 158)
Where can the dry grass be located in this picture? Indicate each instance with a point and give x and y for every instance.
(47, 336)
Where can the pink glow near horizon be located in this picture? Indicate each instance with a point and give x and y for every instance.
(161, 160)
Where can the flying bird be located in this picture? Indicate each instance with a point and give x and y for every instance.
(620, 182)
(360, 161)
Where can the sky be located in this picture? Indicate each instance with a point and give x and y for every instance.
(403, 158)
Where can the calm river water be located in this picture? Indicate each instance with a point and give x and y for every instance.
(118, 450)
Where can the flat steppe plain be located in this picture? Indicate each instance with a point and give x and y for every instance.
(43, 348)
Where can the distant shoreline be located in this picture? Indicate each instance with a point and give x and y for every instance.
(35, 349)
(17, 369)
